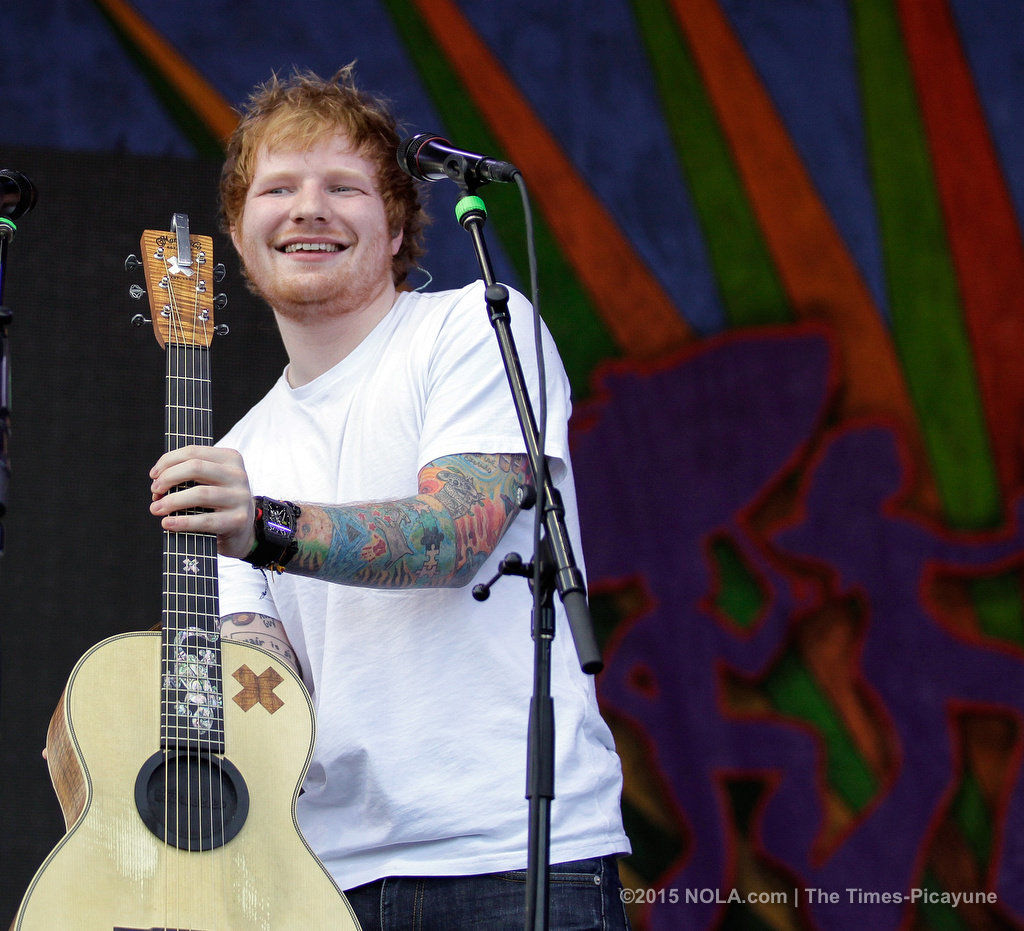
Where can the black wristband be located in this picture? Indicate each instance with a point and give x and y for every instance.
(274, 524)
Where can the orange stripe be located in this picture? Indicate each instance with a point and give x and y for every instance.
(816, 269)
(202, 99)
(984, 236)
(636, 310)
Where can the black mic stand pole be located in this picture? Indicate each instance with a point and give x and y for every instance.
(553, 568)
(7, 229)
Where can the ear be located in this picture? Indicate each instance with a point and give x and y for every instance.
(396, 242)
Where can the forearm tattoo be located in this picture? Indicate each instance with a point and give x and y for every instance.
(260, 630)
(437, 538)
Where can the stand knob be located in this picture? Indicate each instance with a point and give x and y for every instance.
(512, 564)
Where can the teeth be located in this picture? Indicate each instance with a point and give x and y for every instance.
(312, 247)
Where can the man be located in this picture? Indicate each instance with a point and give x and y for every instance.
(396, 401)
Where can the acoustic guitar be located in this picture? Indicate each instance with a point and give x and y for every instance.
(178, 782)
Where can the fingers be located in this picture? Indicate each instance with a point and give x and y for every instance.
(200, 465)
(204, 464)
(214, 482)
(224, 499)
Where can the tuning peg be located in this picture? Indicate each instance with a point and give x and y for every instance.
(136, 292)
(131, 263)
(220, 301)
(140, 320)
(219, 272)
(221, 329)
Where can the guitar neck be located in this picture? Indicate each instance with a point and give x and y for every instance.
(192, 711)
(188, 412)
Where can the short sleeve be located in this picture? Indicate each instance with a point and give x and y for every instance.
(469, 403)
(243, 589)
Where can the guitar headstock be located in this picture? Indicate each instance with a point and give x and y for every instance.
(179, 280)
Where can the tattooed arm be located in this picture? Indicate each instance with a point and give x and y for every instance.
(438, 538)
(263, 631)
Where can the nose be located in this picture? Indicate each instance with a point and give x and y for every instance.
(310, 203)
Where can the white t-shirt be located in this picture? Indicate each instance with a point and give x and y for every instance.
(422, 696)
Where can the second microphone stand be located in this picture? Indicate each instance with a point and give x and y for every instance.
(553, 569)
(7, 229)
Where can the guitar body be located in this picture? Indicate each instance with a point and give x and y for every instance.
(111, 871)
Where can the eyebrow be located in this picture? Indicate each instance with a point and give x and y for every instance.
(332, 175)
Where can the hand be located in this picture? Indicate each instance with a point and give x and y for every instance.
(221, 488)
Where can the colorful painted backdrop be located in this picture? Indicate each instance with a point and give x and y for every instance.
(780, 247)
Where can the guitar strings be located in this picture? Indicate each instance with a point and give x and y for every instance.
(207, 543)
(182, 666)
(171, 682)
(194, 711)
(183, 663)
(200, 554)
(206, 601)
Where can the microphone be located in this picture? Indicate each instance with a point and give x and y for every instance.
(17, 194)
(429, 157)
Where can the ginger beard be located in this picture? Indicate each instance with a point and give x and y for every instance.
(313, 235)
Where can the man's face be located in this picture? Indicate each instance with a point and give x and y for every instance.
(313, 234)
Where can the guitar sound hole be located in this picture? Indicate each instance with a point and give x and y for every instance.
(190, 799)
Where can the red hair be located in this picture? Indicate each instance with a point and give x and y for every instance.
(301, 111)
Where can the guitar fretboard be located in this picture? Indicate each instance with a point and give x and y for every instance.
(192, 711)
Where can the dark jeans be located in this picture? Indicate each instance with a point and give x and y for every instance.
(582, 896)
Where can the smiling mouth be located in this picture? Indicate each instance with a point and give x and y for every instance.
(312, 247)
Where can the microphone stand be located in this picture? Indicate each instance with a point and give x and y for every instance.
(7, 229)
(553, 568)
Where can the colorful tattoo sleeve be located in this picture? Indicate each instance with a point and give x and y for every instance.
(437, 538)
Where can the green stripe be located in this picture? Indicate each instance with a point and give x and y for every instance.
(939, 916)
(739, 596)
(748, 283)
(794, 692)
(927, 322)
(205, 142)
(1000, 610)
(583, 341)
(974, 820)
